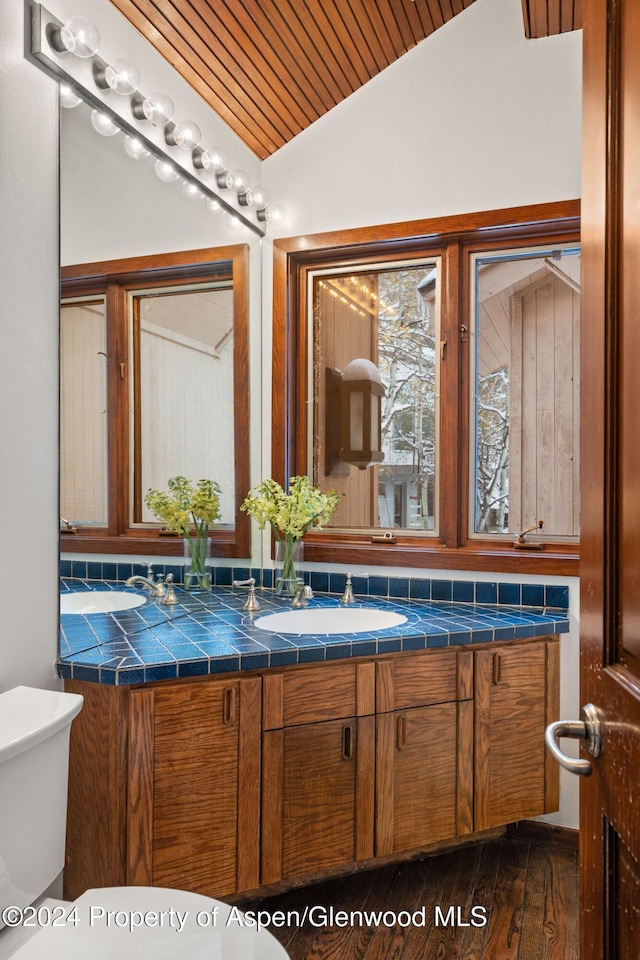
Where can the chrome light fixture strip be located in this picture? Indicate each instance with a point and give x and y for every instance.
(43, 26)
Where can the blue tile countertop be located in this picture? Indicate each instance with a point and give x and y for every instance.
(215, 635)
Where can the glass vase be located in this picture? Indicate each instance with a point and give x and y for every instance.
(197, 565)
(288, 557)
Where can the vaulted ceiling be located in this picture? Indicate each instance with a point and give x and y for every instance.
(270, 68)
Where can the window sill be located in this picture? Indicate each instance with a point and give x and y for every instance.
(223, 543)
(554, 560)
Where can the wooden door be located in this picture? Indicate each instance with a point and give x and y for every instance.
(317, 802)
(416, 777)
(194, 782)
(610, 559)
(515, 698)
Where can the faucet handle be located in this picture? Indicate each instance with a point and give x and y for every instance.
(347, 597)
(170, 593)
(149, 569)
(251, 603)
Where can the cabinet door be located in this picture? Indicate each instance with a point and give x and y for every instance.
(516, 693)
(317, 804)
(423, 776)
(194, 778)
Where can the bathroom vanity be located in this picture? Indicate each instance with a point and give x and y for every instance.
(231, 781)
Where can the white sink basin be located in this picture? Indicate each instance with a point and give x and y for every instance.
(99, 601)
(330, 620)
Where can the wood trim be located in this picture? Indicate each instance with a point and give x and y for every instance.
(365, 688)
(115, 279)
(552, 768)
(540, 832)
(249, 765)
(454, 238)
(465, 675)
(97, 798)
(140, 798)
(385, 690)
(365, 786)
(482, 734)
(565, 214)
(464, 761)
(273, 701)
(426, 554)
(385, 791)
(272, 805)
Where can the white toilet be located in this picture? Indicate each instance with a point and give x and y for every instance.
(127, 923)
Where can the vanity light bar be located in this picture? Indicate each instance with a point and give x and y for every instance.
(45, 36)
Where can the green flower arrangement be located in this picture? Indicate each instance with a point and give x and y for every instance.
(290, 515)
(184, 507)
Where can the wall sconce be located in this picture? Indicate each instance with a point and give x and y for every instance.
(353, 415)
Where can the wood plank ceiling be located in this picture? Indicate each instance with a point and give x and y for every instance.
(270, 68)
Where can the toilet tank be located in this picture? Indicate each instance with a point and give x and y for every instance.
(34, 761)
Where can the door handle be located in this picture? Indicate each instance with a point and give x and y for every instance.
(347, 742)
(587, 729)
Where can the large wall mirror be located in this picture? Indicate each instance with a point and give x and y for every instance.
(154, 350)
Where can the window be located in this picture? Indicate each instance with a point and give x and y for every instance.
(154, 383)
(525, 356)
(388, 314)
(473, 323)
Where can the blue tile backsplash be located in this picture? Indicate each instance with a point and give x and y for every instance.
(215, 635)
(415, 588)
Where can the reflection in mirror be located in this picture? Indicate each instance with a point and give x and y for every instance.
(83, 411)
(154, 381)
(154, 347)
(183, 388)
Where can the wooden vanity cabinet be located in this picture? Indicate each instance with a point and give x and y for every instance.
(516, 696)
(222, 784)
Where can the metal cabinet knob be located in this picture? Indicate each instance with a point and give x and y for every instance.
(587, 729)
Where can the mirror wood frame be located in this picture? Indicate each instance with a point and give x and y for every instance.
(113, 279)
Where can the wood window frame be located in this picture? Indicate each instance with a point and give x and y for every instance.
(114, 280)
(453, 239)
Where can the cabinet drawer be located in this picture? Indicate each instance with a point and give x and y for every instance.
(318, 693)
(422, 679)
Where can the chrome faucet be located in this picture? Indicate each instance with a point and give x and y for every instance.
(303, 595)
(156, 589)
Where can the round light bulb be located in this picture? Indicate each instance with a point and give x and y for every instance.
(240, 181)
(213, 161)
(166, 171)
(187, 135)
(233, 222)
(103, 124)
(135, 148)
(80, 37)
(158, 109)
(123, 77)
(191, 191)
(68, 98)
(214, 206)
(274, 213)
(260, 198)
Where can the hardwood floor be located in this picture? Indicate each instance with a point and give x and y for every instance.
(529, 891)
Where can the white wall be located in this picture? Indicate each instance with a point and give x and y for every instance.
(28, 364)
